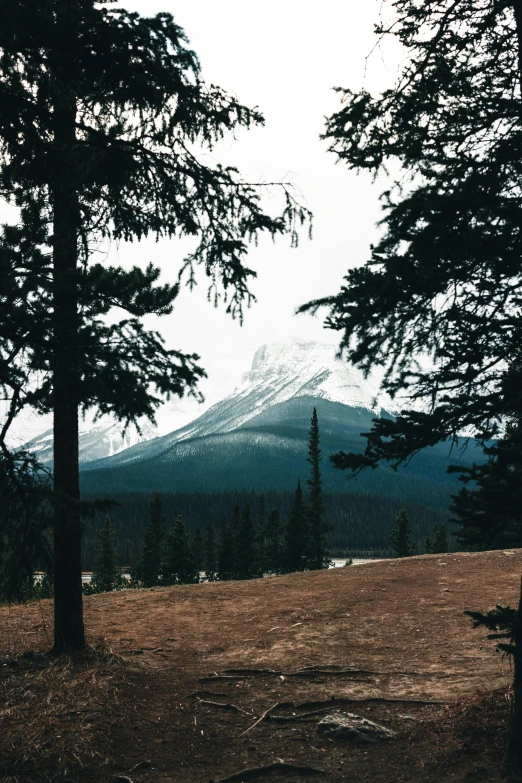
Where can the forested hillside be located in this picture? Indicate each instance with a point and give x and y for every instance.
(362, 522)
(268, 454)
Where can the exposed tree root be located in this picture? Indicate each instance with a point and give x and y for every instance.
(224, 706)
(206, 693)
(332, 668)
(267, 712)
(246, 774)
(320, 707)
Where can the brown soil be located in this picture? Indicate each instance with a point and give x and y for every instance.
(388, 638)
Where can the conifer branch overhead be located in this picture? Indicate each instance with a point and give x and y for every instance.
(437, 303)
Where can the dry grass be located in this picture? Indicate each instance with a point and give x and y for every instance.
(400, 623)
(54, 711)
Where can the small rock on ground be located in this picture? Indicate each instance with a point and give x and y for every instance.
(353, 727)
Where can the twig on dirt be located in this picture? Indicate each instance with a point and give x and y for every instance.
(141, 765)
(275, 628)
(265, 770)
(224, 706)
(267, 712)
(206, 693)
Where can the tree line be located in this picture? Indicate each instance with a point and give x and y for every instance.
(361, 523)
(243, 549)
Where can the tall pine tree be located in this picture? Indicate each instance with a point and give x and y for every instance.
(106, 573)
(245, 550)
(317, 526)
(178, 566)
(100, 113)
(295, 556)
(197, 548)
(273, 550)
(147, 571)
(226, 549)
(210, 564)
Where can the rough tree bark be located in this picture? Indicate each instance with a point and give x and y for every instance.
(69, 631)
(513, 757)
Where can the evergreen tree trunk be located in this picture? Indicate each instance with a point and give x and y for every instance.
(69, 631)
(513, 757)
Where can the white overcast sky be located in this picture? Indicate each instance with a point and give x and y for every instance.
(284, 56)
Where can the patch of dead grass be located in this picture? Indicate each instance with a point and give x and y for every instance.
(53, 712)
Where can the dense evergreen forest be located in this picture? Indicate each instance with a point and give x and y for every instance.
(362, 523)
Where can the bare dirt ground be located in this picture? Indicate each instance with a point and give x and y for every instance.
(166, 682)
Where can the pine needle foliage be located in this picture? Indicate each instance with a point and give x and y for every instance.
(401, 538)
(489, 514)
(444, 281)
(505, 623)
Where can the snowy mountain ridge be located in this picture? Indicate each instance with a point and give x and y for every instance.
(279, 372)
(103, 438)
(311, 369)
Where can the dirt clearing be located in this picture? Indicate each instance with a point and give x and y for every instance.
(182, 676)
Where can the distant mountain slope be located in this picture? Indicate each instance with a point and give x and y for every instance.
(269, 452)
(279, 373)
(104, 438)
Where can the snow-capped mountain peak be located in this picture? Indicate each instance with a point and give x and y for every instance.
(279, 372)
(300, 368)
